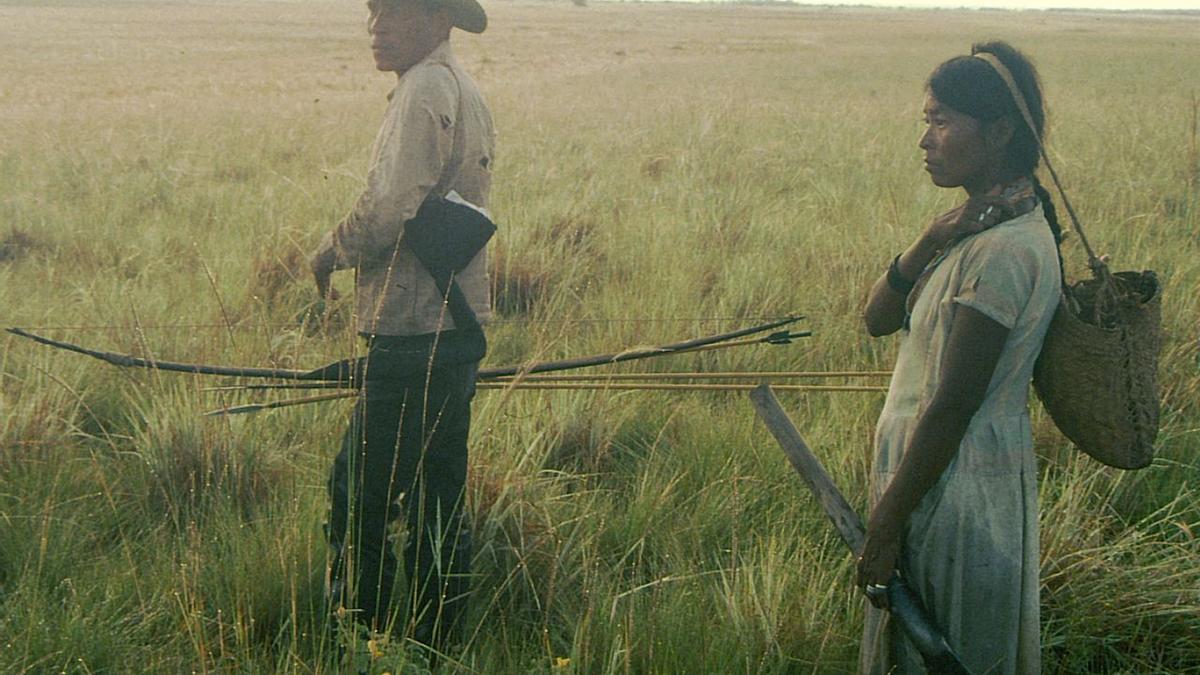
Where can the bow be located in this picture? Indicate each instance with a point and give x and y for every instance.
(343, 371)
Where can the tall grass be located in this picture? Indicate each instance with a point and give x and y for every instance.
(166, 167)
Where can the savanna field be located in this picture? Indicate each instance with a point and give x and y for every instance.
(664, 171)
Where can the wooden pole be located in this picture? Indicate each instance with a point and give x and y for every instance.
(835, 506)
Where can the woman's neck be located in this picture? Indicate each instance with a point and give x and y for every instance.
(989, 181)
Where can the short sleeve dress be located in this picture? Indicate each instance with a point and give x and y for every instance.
(971, 546)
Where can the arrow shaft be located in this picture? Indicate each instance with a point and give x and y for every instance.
(660, 377)
(562, 386)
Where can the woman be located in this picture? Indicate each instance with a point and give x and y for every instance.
(954, 482)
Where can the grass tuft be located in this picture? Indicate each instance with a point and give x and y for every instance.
(18, 244)
(517, 287)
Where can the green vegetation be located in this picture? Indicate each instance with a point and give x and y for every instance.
(165, 167)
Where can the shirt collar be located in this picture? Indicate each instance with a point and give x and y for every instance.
(442, 54)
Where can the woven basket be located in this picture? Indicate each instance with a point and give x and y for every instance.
(1097, 372)
(1098, 368)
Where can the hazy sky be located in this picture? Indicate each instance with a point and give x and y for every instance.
(1024, 4)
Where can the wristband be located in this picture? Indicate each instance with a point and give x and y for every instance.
(896, 281)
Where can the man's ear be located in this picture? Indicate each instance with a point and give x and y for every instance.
(1000, 132)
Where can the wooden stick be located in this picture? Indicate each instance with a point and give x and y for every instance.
(836, 508)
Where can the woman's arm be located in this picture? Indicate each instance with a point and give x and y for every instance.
(884, 313)
(972, 351)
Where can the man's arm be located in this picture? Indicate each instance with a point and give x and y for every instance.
(415, 145)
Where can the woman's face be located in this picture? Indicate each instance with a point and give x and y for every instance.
(957, 152)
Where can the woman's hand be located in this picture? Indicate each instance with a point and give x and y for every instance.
(877, 564)
(971, 217)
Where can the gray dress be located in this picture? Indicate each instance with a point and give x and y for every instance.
(971, 546)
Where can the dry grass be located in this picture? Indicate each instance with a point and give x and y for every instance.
(165, 166)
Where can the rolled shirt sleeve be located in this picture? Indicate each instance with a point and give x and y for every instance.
(412, 148)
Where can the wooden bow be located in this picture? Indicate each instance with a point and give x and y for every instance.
(343, 371)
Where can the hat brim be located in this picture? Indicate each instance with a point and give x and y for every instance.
(467, 15)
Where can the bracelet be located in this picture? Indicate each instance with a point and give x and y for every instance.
(896, 281)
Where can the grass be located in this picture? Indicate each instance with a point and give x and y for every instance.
(166, 166)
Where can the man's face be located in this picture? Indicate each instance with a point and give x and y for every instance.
(402, 33)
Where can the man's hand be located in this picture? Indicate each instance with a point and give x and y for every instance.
(322, 265)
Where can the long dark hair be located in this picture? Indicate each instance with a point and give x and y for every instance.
(974, 88)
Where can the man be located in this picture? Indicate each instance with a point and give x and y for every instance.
(406, 448)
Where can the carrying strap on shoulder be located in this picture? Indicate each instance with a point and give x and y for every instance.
(1098, 267)
(446, 281)
(458, 144)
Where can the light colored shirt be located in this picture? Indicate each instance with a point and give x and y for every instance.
(437, 136)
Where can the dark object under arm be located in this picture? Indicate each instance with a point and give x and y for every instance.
(445, 237)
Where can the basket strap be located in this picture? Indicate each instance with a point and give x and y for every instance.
(1097, 265)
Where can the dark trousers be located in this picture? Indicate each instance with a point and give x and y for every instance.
(405, 452)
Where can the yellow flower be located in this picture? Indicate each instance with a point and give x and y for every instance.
(562, 662)
(376, 648)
